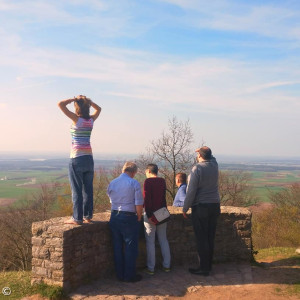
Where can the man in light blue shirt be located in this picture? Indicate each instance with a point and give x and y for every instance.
(180, 181)
(126, 212)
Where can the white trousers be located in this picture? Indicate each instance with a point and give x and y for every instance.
(161, 231)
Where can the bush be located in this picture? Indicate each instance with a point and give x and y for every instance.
(279, 225)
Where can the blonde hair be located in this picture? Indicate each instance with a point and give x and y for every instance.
(129, 167)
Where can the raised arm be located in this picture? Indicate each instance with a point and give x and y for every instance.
(63, 106)
(97, 111)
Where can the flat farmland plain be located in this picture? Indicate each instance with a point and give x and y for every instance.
(20, 179)
(266, 182)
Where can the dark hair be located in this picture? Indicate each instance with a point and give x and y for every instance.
(205, 152)
(82, 108)
(153, 168)
(181, 177)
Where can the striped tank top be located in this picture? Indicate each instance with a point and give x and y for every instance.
(81, 133)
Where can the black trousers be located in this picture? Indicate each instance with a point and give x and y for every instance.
(204, 220)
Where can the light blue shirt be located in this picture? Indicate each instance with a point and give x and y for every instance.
(125, 193)
(180, 196)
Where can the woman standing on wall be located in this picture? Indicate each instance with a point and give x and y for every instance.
(81, 166)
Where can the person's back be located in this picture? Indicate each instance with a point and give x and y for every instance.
(154, 199)
(207, 187)
(81, 166)
(154, 194)
(203, 197)
(123, 190)
(126, 213)
(81, 134)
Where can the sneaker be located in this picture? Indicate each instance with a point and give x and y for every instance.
(167, 270)
(149, 272)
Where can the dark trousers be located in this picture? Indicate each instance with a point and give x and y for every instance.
(125, 233)
(204, 219)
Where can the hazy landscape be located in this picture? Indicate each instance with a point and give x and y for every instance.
(21, 177)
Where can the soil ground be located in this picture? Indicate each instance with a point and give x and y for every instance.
(7, 201)
(269, 283)
(268, 280)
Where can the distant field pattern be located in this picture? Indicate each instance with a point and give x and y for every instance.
(19, 179)
(266, 182)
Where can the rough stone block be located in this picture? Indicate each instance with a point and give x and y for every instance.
(67, 254)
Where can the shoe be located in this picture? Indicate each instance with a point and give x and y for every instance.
(167, 270)
(137, 278)
(198, 272)
(149, 272)
(87, 221)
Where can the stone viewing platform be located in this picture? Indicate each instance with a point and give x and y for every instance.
(72, 255)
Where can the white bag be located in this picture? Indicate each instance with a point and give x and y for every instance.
(160, 216)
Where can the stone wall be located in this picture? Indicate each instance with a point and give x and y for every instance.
(70, 255)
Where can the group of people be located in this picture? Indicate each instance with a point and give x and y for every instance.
(129, 204)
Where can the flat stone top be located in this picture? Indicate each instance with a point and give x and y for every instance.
(224, 210)
(100, 219)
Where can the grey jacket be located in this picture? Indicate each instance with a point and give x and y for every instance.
(203, 184)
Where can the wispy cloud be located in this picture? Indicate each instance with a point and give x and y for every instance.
(272, 20)
(211, 83)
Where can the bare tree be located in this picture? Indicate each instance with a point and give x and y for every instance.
(171, 152)
(45, 199)
(235, 188)
(102, 179)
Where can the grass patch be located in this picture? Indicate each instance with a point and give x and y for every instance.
(294, 288)
(281, 255)
(20, 286)
(276, 253)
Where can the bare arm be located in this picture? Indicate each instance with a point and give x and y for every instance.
(63, 106)
(97, 111)
(139, 211)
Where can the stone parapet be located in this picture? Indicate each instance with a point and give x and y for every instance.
(70, 255)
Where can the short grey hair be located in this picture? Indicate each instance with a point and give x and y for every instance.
(129, 166)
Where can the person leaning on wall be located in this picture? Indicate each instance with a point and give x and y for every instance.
(81, 165)
(203, 197)
(154, 199)
(126, 214)
(180, 181)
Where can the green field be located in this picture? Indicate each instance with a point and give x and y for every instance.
(22, 184)
(266, 182)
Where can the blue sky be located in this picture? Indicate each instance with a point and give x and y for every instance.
(231, 67)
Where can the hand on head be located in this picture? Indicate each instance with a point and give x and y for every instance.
(88, 100)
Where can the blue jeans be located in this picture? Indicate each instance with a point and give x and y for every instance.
(125, 233)
(81, 175)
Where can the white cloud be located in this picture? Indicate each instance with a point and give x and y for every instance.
(271, 20)
(209, 83)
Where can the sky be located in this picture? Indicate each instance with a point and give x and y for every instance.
(231, 67)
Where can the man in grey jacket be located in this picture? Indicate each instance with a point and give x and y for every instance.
(203, 197)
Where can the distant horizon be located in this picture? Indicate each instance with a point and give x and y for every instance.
(124, 156)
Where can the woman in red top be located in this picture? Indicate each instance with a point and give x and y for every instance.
(154, 199)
